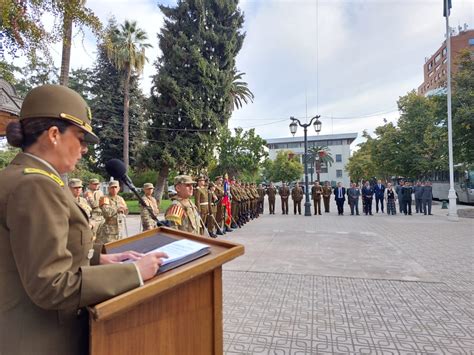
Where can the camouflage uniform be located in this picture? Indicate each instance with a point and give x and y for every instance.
(147, 221)
(113, 227)
(184, 216)
(93, 199)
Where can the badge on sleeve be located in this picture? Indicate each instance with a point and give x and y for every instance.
(90, 254)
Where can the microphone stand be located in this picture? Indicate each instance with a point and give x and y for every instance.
(132, 187)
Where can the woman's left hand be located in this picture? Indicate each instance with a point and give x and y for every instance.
(119, 257)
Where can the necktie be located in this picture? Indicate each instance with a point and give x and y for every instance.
(340, 192)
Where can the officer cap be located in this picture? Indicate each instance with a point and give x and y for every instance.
(148, 185)
(201, 178)
(94, 181)
(183, 179)
(218, 177)
(58, 101)
(211, 184)
(75, 183)
(114, 183)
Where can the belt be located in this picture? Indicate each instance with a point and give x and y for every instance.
(203, 203)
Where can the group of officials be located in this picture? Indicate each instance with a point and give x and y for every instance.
(405, 193)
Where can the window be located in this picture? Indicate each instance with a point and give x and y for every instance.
(438, 57)
(338, 158)
(335, 142)
(430, 65)
(445, 50)
(471, 41)
(294, 145)
(339, 173)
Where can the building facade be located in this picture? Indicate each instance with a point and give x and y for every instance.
(434, 69)
(339, 146)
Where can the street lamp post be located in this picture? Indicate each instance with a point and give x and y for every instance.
(317, 127)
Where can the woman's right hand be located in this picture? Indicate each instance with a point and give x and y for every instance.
(149, 264)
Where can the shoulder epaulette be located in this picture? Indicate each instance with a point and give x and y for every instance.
(175, 214)
(52, 176)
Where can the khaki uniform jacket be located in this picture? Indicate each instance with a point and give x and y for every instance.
(284, 192)
(201, 198)
(327, 190)
(147, 221)
(183, 215)
(261, 194)
(297, 194)
(271, 192)
(45, 257)
(316, 192)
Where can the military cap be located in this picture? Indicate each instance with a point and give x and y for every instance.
(75, 183)
(211, 184)
(218, 177)
(114, 183)
(201, 177)
(94, 181)
(148, 185)
(58, 101)
(183, 179)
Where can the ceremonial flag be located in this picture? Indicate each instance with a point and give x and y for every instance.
(226, 202)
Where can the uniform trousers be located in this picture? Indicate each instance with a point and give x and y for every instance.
(261, 206)
(418, 205)
(297, 206)
(317, 205)
(407, 206)
(271, 205)
(326, 204)
(284, 205)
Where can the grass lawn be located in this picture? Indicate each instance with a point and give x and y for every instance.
(134, 207)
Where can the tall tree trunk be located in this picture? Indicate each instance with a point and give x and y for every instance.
(161, 181)
(66, 54)
(126, 108)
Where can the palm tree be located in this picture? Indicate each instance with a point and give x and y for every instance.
(127, 51)
(239, 92)
(318, 156)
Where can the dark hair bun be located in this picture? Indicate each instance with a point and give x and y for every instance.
(14, 134)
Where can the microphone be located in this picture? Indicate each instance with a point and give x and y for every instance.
(116, 169)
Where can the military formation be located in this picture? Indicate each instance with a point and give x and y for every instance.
(218, 207)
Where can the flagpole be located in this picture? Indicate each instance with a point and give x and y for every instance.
(452, 212)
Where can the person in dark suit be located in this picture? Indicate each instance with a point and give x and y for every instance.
(398, 191)
(50, 268)
(353, 194)
(379, 190)
(427, 198)
(368, 195)
(418, 191)
(340, 197)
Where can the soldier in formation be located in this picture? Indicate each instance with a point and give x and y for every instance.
(316, 192)
(75, 185)
(183, 214)
(93, 196)
(261, 198)
(327, 190)
(271, 192)
(114, 209)
(284, 195)
(297, 197)
(147, 221)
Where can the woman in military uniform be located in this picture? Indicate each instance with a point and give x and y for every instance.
(46, 248)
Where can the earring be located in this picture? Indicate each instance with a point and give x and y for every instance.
(55, 142)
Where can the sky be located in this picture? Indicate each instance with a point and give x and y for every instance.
(348, 61)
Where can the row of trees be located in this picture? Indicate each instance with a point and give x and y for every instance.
(418, 144)
(183, 122)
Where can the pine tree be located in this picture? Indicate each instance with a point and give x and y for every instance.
(191, 93)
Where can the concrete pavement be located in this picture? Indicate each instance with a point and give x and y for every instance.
(350, 285)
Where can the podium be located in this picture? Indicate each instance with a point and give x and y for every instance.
(177, 312)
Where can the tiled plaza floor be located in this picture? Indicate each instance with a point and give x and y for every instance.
(284, 297)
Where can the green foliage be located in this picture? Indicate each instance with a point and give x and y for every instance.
(141, 177)
(240, 154)
(7, 155)
(463, 110)
(191, 93)
(106, 101)
(240, 92)
(82, 172)
(22, 29)
(286, 167)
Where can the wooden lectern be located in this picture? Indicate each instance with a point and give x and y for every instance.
(177, 312)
